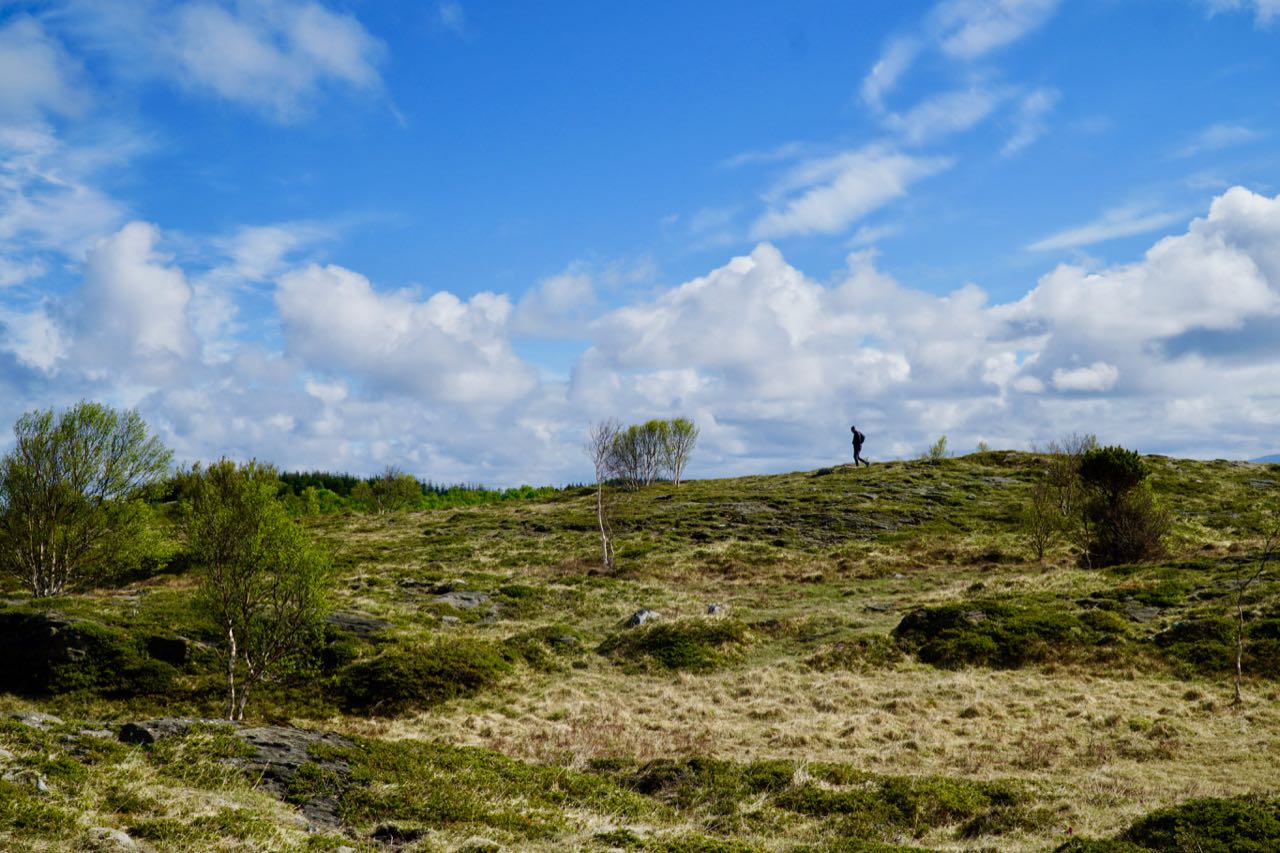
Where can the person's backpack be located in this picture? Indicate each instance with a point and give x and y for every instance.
(858, 437)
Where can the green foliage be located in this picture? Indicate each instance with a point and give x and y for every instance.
(937, 451)
(405, 679)
(992, 633)
(692, 644)
(391, 490)
(72, 492)
(262, 582)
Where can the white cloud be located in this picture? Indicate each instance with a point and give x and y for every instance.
(884, 75)
(274, 56)
(1218, 136)
(452, 16)
(33, 337)
(1265, 11)
(36, 74)
(944, 114)
(134, 300)
(557, 306)
(828, 195)
(972, 28)
(1098, 376)
(1030, 122)
(442, 348)
(1113, 224)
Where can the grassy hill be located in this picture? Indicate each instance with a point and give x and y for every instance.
(886, 667)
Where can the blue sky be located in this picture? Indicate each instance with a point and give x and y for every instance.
(449, 235)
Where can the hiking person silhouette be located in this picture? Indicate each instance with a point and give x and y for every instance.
(858, 438)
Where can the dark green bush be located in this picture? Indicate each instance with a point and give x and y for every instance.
(1208, 645)
(693, 644)
(545, 648)
(1123, 522)
(991, 633)
(1196, 826)
(61, 655)
(408, 679)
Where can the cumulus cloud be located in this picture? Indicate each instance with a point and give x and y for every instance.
(134, 301)
(1173, 352)
(442, 348)
(1098, 376)
(827, 195)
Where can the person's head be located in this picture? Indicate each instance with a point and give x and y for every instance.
(853, 429)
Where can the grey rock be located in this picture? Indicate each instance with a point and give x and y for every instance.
(37, 719)
(107, 840)
(278, 753)
(1000, 481)
(1142, 614)
(150, 731)
(717, 609)
(1263, 484)
(358, 624)
(879, 606)
(462, 599)
(973, 617)
(171, 650)
(450, 620)
(642, 616)
(41, 785)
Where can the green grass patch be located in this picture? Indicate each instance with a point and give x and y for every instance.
(410, 678)
(687, 644)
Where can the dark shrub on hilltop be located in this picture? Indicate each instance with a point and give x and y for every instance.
(1123, 522)
(401, 679)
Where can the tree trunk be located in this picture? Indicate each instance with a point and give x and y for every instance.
(606, 550)
(231, 674)
(1239, 650)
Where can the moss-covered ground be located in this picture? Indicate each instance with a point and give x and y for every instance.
(888, 668)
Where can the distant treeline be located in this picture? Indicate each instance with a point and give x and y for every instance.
(312, 492)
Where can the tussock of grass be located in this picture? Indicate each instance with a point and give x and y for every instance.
(697, 645)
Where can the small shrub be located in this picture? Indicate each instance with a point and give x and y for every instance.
(1196, 826)
(992, 634)
(1124, 525)
(1208, 645)
(1209, 826)
(401, 680)
(693, 644)
(544, 648)
(859, 654)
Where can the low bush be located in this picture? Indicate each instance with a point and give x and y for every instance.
(691, 644)
(1207, 645)
(1196, 826)
(545, 648)
(61, 655)
(994, 634)
(858, 654)
(409, 679)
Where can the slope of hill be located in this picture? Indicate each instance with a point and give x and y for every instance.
(840, 660)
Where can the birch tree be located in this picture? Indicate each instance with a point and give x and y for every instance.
(72, 495)
(261, 580)
(602, 439)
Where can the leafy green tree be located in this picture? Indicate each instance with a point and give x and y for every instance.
(678, 441)
(1122, 523)
(72, 495)
(262, 581)
(391, 490)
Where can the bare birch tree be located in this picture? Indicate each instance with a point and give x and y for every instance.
(601, 449)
